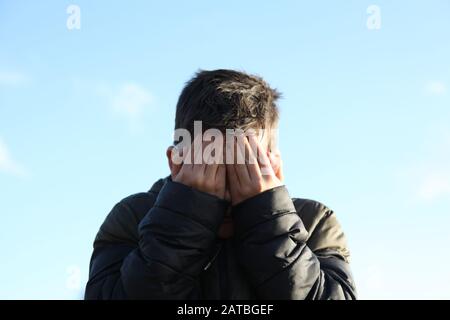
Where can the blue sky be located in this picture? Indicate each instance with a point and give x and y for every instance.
(86, 115)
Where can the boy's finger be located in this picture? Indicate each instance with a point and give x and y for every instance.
(183, 171)
(210, 166)
(188, 159)
(195, 151)
(240, 166)
(251, 145)
(221, 180)
(196, 156)
(233, 178)
(221, 175)
(198, 170)
(264, 161)
(280, 173)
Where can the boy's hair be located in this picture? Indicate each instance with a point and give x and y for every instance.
(227, 99)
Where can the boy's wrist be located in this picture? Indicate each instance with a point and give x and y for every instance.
(261, 207)
(199, 206)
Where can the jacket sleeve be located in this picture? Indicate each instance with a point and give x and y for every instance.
(174, 241)
(271, 245)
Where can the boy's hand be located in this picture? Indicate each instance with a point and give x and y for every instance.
(205, 177)
(256, 175)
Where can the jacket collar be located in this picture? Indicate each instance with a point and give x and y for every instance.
(159, 184)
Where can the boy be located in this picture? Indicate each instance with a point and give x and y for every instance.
(221, 229)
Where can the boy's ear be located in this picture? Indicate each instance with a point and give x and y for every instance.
(174, 168)
(169, 157)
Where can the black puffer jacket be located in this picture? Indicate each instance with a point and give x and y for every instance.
(162, 244)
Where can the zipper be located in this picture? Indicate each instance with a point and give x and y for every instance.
(208, 265)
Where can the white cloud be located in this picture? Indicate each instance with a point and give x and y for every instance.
(13, 78)
(436, 88)
(7, 163)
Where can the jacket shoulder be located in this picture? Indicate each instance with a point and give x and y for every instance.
(121, 224)
(325, 231)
